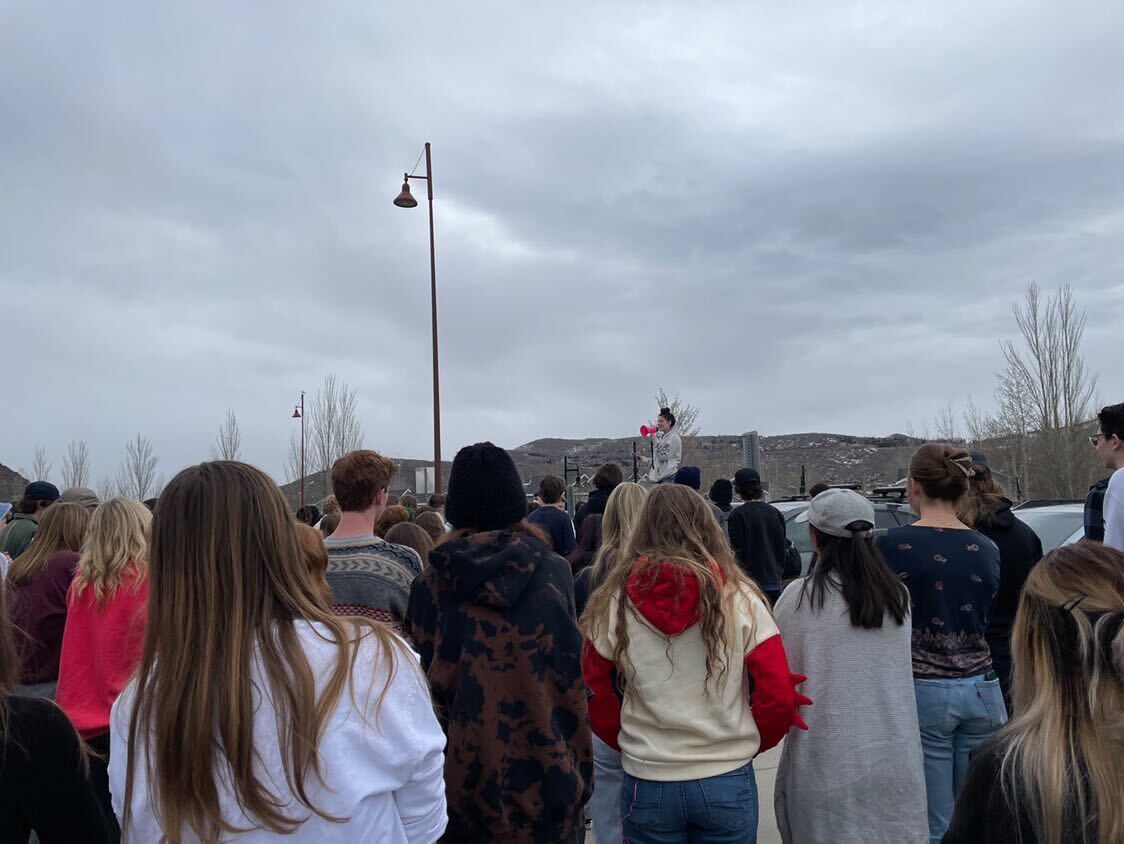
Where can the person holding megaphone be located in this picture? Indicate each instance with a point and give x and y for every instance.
(667, 448)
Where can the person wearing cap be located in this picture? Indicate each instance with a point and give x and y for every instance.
(37, 497)
(492, 618)
(757, 534)
(81, 495)
(987, 509)
(857, 774)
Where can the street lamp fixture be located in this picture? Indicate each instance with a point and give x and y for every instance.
(405, 199)
(298, 413)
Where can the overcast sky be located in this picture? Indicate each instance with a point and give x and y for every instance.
(810, 219)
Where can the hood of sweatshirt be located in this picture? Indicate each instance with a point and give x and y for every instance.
(667, 596)
(996, 513)
(492, 568)
(598, 499)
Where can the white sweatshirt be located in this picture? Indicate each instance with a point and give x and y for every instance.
(667, 451)
(388, 782)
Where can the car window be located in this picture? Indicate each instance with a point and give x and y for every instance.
(798, 535)
(884, 520)
(1053, 527)
(905, 516)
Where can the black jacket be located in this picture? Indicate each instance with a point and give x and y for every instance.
(1019, 549)
(595, 504)
(758, 538)
(492, 617)
(984, 816)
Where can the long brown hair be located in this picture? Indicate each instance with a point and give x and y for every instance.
(985, 497)
(228, 577)
(62, 527)
(675, 526)
(941, 470)
(116, 546)
(311, 544)
(1061, 752)
(621, 511)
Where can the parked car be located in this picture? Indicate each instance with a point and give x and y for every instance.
(1055, 524)
(887, 514)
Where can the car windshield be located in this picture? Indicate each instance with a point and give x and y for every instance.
(1052, 526)
(797, 532)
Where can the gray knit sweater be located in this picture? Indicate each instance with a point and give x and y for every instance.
(856, 775)
(371, 577)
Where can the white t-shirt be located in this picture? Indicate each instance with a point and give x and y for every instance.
(1114, 511)
(386, 776)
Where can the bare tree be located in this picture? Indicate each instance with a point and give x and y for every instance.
(686, 415)
(1045, 393)
(40, 465)
(76, 464)
(228, 445)
(137, 476)
(293, 458)
(945, 424)
(334, 424)
(106, 488)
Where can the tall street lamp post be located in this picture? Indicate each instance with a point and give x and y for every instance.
(298, 413)
(406, 200)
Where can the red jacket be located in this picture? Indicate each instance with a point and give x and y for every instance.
(101, 647)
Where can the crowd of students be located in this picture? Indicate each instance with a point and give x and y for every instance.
(220, 670)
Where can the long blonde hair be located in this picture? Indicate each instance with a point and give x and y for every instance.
(1060, 754)
(116, 546)
(674, 526)
(227, 575)
(62, 527)
(621, 511)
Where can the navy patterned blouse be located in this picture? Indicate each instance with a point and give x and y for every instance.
(952, 576)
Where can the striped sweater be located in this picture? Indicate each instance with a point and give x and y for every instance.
(371, 577)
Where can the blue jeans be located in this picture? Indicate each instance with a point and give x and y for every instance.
(604, 805)
(715, 810)
(955, 715)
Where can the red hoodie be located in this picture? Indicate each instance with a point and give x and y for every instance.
(673, 725)
(101, 647)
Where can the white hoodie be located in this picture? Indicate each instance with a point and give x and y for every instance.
(382, 771)
(667, 451)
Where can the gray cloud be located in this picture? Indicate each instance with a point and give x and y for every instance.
(806, 218)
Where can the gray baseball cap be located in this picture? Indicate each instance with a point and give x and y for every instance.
(833, 510)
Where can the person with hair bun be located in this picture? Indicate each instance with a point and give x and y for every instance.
(1053, 774)
(667, 449)
(952, 573)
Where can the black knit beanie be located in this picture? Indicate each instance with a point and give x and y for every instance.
(722, 492)
(485, 490)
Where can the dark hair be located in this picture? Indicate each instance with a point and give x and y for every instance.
(391, 516)
(304, 515)
(432, 523)
(522, 526)
(817, 488)
(358, 477)
(1111, 418)
(608, 476)
(412, 536)
(437, 500)
(984, 498)
(551, 488)
(410, 502)
(869, 587)
(941, 470)
(589, 541)
(329, 523)
(26, 506)
(150, 503)
(666, 413)
(532, 506)
(751, 491)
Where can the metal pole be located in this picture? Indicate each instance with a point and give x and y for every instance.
(302, 448)
(635, 472)
(433, 305)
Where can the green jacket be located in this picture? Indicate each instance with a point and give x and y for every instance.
(18, 535)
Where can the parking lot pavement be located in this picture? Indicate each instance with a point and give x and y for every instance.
(765, 768)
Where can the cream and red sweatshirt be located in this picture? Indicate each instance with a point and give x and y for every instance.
(667, 727)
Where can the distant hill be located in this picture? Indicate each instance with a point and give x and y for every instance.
(834, 458)
(12, 484)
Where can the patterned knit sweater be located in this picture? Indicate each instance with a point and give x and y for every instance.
(371, 577)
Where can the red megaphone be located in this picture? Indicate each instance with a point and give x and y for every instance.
(645, 431)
